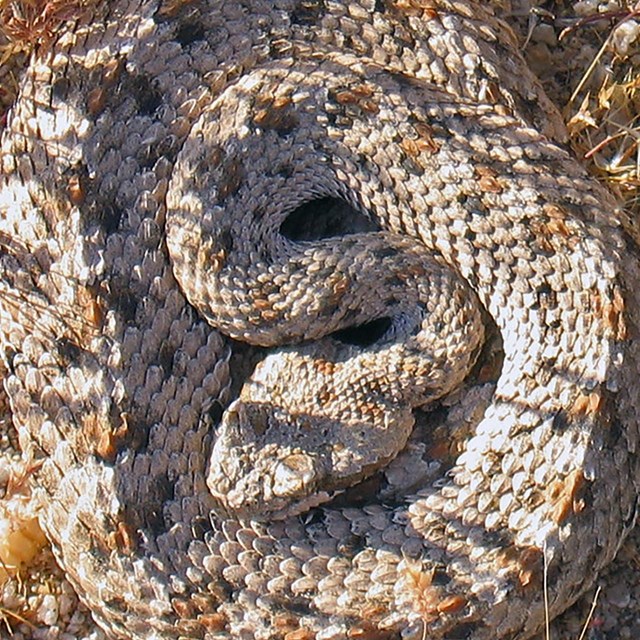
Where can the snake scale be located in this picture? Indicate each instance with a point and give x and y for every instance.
(181, 177)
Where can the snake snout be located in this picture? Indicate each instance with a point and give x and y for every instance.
(256, 472)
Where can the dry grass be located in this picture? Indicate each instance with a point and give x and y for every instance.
(604, 106)
(25, 25)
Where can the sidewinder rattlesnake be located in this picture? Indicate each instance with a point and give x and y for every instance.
(150, 166)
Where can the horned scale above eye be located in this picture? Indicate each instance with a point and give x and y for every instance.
(336, 478)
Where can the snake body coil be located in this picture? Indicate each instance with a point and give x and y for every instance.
(151, 164)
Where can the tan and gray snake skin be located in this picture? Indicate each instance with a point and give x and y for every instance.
(181, 179)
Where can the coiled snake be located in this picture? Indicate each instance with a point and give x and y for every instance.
(375, 191)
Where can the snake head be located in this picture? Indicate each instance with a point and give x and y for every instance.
(257, 472)
(271, 463)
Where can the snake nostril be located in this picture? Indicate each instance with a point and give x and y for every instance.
(325, 218)
(365, 334)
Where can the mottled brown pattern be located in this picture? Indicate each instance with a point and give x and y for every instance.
(153, 158)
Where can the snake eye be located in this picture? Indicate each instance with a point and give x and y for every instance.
(325, 218)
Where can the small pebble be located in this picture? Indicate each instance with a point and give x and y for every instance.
(619, 596)
(48, 610)
(624, 36)
(545, 34)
